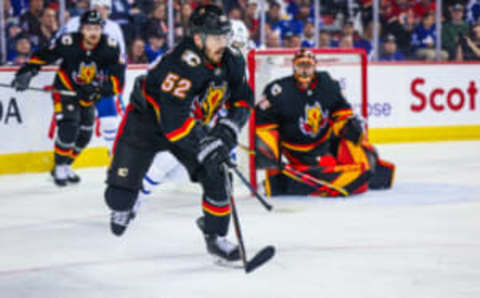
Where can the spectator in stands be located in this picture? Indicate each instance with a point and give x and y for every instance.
(348, 29)
(366, 41)
(308, 37)
(23, 50)
(47, 29)
(295, 41)
(389, 50)
(273, 16)
(325, 39)
(18, 7)
(452, 29)
(79, 8)
(273, 40)
(120, 12)
(136, 52)
(157, 20)
(424, 39)
(296, 24)
(30, 20)
(424, 7)
(473, 11)
(235, 13)
(251, 19)
(156, 45)
(346, 41)
(469, 45)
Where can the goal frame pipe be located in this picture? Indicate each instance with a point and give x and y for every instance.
(251, 62)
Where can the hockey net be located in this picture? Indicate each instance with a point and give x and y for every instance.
(347, 66)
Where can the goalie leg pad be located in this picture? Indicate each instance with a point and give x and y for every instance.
(383, 175)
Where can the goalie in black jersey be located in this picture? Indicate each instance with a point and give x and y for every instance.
(306, 119)
(169, 109)
(91, 67)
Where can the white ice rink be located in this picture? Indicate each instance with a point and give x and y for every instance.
(421, 239)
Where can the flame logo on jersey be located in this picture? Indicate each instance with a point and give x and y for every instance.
(313, 121)
(86, 73)
(206, 108)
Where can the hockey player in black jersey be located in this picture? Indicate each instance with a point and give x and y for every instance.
(92, 68)
(306, 119)
(170, 109)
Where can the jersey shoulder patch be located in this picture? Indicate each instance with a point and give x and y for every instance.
(274, 89)
(191, 58)
(66, 40)
(112, 42)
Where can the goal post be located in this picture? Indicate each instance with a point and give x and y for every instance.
(347, 66)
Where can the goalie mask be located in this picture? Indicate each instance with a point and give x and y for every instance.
(304, 63)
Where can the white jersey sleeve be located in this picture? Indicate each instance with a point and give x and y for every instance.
(111, 29)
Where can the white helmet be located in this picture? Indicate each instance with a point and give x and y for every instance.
(106, 3)
(240, 36)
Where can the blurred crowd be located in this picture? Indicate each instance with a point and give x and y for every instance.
(406, 32)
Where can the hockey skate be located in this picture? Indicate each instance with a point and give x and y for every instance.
(219, 246)
(72, 177)
(59, 175)
(119, 221)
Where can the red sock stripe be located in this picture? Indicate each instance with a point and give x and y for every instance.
(215, 210)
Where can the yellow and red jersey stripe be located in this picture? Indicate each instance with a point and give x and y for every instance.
(65, 79)
(152, 101)
(216, 210)
(306, 147)
(241, 104)
(267, 126)
(342, 114)
(117, 87)
(36, 60)
(182, 131)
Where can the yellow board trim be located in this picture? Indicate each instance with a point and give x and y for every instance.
(43, 161)
(423, 134)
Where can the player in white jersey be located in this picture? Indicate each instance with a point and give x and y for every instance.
(165, 167)
(107, 109)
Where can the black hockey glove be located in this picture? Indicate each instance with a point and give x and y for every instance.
(22, 79)
(212, 154)
(89, 93)
(227, 131)
(353, 130)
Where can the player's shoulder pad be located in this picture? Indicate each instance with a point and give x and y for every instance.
(68, 39)
(325, 77)
(110, 41)
(275, 89)
(236, 64)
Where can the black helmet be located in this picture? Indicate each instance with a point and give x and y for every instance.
(91, 17)
(209, 19)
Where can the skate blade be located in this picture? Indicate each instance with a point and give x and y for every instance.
(227, 264)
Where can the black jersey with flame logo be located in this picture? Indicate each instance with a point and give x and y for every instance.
(303, 117)
(186, 93)
(80, 66)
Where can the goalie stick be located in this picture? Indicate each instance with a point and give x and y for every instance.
(301, 176)
(263, 255)
(48, 89)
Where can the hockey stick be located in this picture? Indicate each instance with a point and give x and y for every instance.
(260, 198)
(48, 89)
(300, 176)
(263, 255)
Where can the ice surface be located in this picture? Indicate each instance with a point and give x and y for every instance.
(421, 239)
